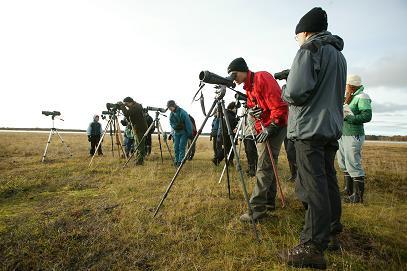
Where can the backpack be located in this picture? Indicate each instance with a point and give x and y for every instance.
(194, 131)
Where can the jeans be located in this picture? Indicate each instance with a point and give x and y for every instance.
(180, 142)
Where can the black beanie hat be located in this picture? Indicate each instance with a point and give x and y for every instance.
(128, 100)
(315, 20)
(238, 65)
(171, 103)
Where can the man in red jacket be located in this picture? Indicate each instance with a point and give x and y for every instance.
(271, 112)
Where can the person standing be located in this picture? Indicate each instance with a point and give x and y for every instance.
(149, 141)
(223, 143)
(134, 113)
(270, 111)
(128, 137)
(357, 111)
(182, 130)
(214, 136)
(314, 91)
(94, 133)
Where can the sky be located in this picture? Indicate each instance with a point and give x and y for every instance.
(75, 56)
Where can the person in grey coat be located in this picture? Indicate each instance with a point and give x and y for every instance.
(314, 91)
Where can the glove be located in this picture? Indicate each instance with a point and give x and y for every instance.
(347, 111)
(268, 131)
(256, 112)
(89, 138)
(170, 137)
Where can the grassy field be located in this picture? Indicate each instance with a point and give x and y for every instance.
(63, 215)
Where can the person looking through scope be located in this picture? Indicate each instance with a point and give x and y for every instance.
(133, 112)
(182, 130)
(94, 133)
(270, 111)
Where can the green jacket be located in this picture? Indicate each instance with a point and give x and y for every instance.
(361, 108)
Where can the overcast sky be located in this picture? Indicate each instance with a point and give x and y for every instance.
(74, 56)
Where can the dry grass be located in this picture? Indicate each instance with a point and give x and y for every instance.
(62, 215)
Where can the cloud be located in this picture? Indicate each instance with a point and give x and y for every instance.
(388, 107)
(389, 71)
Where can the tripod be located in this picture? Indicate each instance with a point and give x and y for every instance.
(221, 104)
(113, 124)
(156, 124)
(241, 129)
(51, 133)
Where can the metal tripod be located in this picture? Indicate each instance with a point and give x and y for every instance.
(113, 124)
(241, 129)
(51, 133)
(156, 124)
(220, 102)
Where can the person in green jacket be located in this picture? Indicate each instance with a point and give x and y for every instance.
(357, 111)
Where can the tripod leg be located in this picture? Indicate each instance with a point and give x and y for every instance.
(166, 142)
(184, 159)
(225, 154)
(159, 141)
(46, 146)
(100, 141)
(119, 140)
(139, 144)
(231, 150)
(63, 142)
(239, 168)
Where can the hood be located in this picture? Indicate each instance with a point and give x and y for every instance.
(327, 38)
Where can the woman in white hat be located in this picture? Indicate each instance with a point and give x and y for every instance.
(357, 111)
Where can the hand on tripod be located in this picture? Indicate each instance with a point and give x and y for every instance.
(268, 131)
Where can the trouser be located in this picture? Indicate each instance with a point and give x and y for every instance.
(180, 142)
(317, 187)
(141, 151)
(291, 156)
(214, 146)
(94, 141)
(223, 147)
(128, 145)
(148, 144)
(349, 155)
(250, 150)
(264, 192)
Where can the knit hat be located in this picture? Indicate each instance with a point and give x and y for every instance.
(171, 103)
(128, 100)
(238, 65)
(316, 20)
(354, 80)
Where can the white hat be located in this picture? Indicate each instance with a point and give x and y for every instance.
(354, 80)
(95, 116)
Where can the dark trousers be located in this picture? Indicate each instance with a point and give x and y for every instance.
(94, 141)
(290, 150)
(250, 150)
(317, 187)
(222, 148)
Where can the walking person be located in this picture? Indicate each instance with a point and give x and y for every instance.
(357, 111)
(270, 111)
(94, 133)
(314, 90)
(182, 130)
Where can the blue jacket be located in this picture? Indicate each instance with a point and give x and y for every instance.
(180, 122)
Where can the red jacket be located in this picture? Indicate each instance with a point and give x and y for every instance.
(266, 93)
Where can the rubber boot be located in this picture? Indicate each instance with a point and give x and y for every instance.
(358, 190)
(348, 185)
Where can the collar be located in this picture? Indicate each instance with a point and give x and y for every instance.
(248, 83)
(360, 89)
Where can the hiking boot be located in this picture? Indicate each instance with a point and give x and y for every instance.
(348, 190)
(215, 161)
(358, 190)
(304, 256)
(256, 216)
(334, 243)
